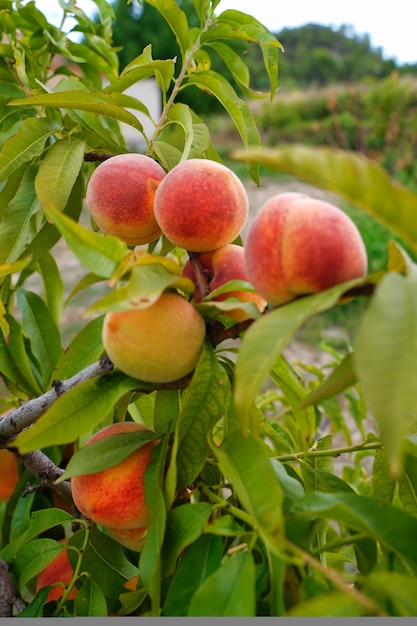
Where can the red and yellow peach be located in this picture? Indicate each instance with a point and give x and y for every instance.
(120, 197)
(298, 245)
(159, 343)
(201, 205)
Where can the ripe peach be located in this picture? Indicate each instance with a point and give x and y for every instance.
(222, 265)
(158, 344)
(298, 245)
(201, 205)
(9, 472)
(58, 570)
(120, 197)
(115, 497)
(132, 538)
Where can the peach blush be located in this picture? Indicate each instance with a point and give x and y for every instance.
(298, 245)
(120, 197)
(201, 205)
(115, 496)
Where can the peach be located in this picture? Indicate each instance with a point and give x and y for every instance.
(157, 344)
(222, 265)
(298, 245)
(58, 570)
(120, 197)
(115, 497)
(201, 205)
(132, 538)
(9, 472)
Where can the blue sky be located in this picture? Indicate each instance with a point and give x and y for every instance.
(390, 25)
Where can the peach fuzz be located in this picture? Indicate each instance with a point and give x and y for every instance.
(115, 496)
(222, 265)
(201, 205)
(157, 344)
(298, 245)
(120, 197)
(58, 570)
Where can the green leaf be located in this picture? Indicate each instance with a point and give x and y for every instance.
(229, 591)
(329, 604)
(98, 253)
(34, 557)
(267, 337)
(150, 556)
(176, 19)
(399, 589)
(14, 268)
(16, 230)
(342, 377)
(184, 525)
(14, 360)
(143, 67)
(145, 285)
(198, 561)
(26, 144)
(359, 180)
(105, 453)
(53, 285)
(246, 464)
(45, 340)
(58, 172)
(98, 103)
(395, 529)
(383, 484)
(41, 521)
(237, 108)
(205, 402)
(90, 600)
(407, 485)
(106, 556)
(84, 350)
(76, 412)
(301, 422)
(386, 362)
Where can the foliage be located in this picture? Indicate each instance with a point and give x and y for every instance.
(249, 513)
(377, 119)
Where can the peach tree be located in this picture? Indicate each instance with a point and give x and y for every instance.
(248, 512)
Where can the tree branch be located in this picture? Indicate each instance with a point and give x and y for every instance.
(13, 423)
(9, 595)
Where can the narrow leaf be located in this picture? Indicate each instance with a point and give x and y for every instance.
(98, 253)
(58, 172)
(42, 331)
(267, 337)
(229, 591)
(26, 144)
(245, 462)
(76, 412)
(205, 402)
(392, 527)
(386, 361)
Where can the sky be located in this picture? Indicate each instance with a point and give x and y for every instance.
(390, 25)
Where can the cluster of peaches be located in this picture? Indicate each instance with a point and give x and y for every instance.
(296, 245)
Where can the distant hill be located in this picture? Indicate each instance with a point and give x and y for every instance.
(320, 55)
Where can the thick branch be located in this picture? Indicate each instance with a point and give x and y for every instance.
(28, 413)
(38, 464)
(9, 595)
